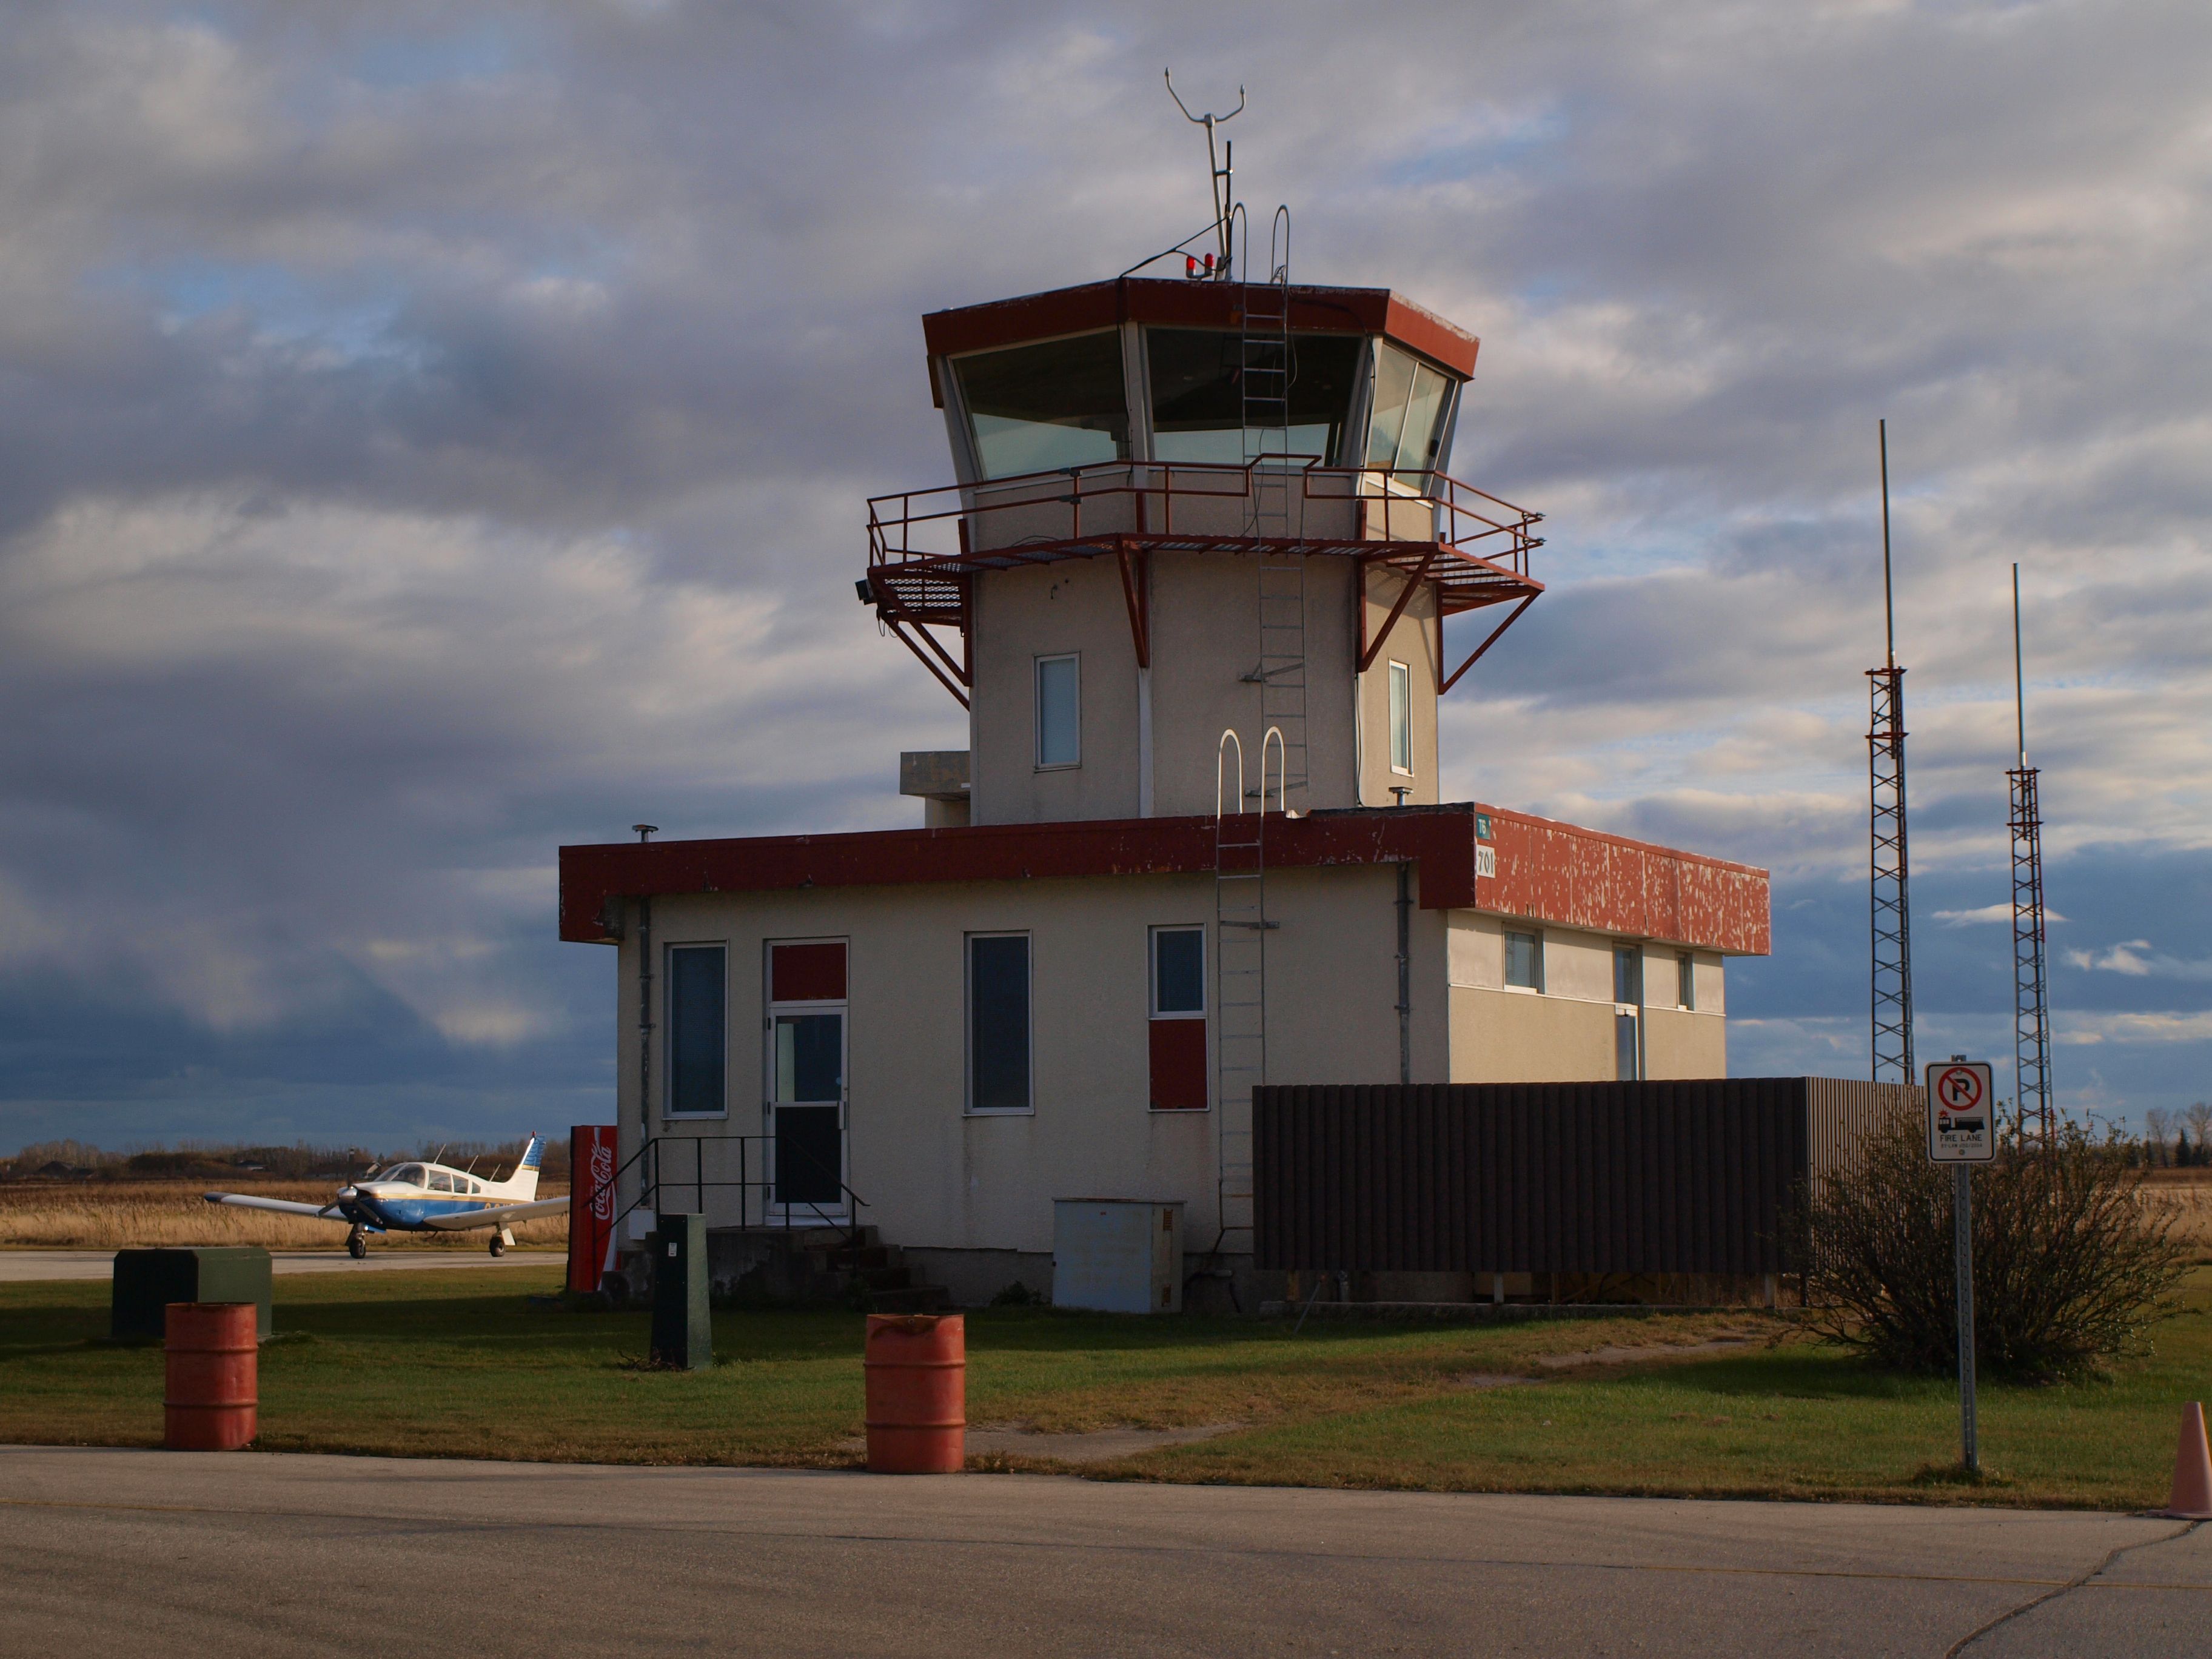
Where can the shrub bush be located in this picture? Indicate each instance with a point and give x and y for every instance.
(2072, 1261)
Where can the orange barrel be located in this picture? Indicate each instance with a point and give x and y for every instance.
(213, 1376)
(917, 1372)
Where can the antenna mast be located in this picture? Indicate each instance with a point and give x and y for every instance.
(1889, 910)
(2031, 1009)
(1221, 168)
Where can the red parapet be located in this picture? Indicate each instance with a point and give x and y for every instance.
(1544, 871)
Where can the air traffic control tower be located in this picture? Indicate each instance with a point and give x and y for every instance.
(1187, 508)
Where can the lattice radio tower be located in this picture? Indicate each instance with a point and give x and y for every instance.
(1890, 911)
(2031, 1008)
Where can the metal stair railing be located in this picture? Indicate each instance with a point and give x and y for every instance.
(653, 1180)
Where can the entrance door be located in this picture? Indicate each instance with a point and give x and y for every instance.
(806, 1104)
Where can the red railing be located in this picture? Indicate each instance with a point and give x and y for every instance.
(949, 522)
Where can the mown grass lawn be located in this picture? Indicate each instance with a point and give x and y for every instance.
(456, 1364)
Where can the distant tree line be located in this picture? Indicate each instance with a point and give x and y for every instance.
(2180, 1140)
(200, 1160)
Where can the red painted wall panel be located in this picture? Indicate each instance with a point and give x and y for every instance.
(806, 973)
(1179, 1066)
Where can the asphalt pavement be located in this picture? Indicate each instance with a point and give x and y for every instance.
(244, 1555)
(21, 1267)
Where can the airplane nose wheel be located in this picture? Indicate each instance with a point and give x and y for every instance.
(356, 1244)
(498, 1245)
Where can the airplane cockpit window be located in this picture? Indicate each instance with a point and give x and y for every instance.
(440, 1182)
(408, 1174)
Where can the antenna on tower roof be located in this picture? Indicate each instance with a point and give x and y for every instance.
(1221, 167)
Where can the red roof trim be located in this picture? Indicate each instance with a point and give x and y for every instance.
(1194, 305)
(1547, 871)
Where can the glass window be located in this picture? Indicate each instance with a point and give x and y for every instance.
(1628, 973)
(1036, 407)
(440, 1182)
(407, 1174)
(999, 1023)
(810, 1058)
(1624, 1067)
(1198, 401)
(1685, 981)
(1402, 719)
(1405, 421)
(695, 1021)
(1524, 960)
(1059, 711)
(1178, 971)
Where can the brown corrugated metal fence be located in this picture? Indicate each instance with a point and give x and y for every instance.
(1694, 1176)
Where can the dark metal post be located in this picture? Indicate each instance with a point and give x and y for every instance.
(1962, 1232)
(1890, 884)
(1405, 973)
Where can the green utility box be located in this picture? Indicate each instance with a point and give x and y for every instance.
(682, 1335)
(147, 1281)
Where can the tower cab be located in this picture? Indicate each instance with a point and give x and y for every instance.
(1182, 510)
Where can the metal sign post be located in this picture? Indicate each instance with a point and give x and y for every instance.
(1962, 1132)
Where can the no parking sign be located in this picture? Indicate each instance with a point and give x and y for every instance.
(1961, 1113)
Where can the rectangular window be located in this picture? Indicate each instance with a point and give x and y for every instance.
(1685, 981)
(697, 975)
(1406, 415)
(999, 1023)
(1524, 961)
(1628, 974)
(1624, 1047)
(1059, 711)
(1402, 719)
(1178, 971)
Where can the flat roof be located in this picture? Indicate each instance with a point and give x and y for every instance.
(1539, 870)
(1171, 304)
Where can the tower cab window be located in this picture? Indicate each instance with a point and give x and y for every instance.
(1406, 421)
(1198, 384)
(1060, 402)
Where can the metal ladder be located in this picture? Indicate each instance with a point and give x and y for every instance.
(1266, 370)
(1239, 957)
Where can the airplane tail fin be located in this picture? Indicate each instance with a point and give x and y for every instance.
(523, 1183)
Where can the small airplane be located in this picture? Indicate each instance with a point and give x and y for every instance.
(419, 1195)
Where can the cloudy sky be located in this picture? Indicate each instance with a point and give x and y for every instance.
(432, 433)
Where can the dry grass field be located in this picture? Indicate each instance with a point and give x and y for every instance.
(109, 1215)
(2189, 1193)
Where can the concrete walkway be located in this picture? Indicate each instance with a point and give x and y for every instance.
(246, 1554)
(21, 1267)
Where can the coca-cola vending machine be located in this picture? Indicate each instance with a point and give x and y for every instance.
(591, 1204)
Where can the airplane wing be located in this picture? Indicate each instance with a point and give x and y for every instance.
(504, 1215)
(245, 1201)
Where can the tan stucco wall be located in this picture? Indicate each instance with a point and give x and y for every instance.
(1412, 641)
(1020, 616)
(936, 1176)
(1680, 1044)
(1565, 1034)
(1205, 636)
(1519, 1037)
(1205, 619)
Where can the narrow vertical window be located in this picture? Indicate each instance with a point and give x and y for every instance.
(1059, 711)
(697, 977)
(1402, 719)
(1524, 961)
(1685, 981)
(1628, 973)
(1624, 1046)
(999, 1023)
